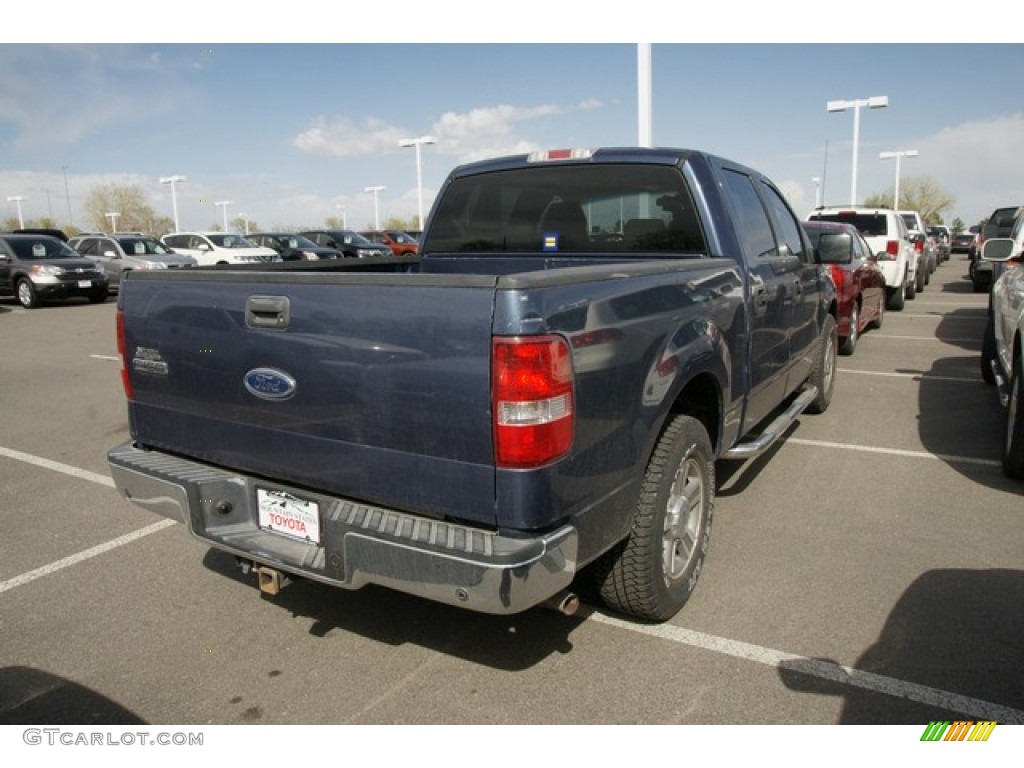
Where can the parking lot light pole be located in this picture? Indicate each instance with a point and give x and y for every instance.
(223, 205)
(67, 193)
(172, 180)
(113, 220)
(418, 142)
(17, 200)
(816, 180)
(376, 207)
(898, 154)
(840, 105)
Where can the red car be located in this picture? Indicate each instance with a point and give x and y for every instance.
(860, 284)
(400, 243)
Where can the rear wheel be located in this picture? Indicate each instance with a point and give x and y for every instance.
(877, 322)
(988, 351)
(849, 342)
(824, 374)
(654, 571)
(1013, 447)
(897, 298)
(912, 287)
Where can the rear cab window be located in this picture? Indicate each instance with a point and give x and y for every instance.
(593, 209)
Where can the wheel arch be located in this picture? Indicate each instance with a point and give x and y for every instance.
(701, 398)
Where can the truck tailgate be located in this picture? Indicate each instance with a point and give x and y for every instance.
(373, 387)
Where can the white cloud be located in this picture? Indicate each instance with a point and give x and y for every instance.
(342, 137)
(981, 162)
(467, 136)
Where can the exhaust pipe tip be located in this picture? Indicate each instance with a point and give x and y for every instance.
(565, 603)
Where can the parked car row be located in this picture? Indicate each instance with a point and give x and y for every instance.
(859, 280)
(119, 253)
(888, 238)
(1002, 349)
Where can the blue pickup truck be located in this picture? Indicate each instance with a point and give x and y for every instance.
(541, 394)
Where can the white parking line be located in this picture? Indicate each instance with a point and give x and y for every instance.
(977, 708)
(99, 549)
(81, 474)
(56, 466)
(927, 338)
(923, 694)
(895, 452)
(930, 377)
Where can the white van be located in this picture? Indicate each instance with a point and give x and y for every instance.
(210, 248)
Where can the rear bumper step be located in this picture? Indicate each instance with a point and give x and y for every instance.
(360, 544)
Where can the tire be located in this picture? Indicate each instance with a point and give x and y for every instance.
(879, 319)
(988, 351)
(1013, 445)
(26, 294)
(653, 572)
(824, 374)
(897, 299)
(848, 343)
(912, 287)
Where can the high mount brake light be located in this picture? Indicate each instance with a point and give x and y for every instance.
(533, 400)
(559, 154)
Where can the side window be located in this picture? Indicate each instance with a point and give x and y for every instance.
(86, 247)
(752, 224)
(787, 226)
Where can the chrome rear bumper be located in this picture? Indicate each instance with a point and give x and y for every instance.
(359, 544)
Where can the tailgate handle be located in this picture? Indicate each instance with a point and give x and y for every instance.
(272, 312)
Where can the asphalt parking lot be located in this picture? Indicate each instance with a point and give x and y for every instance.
(868, 570)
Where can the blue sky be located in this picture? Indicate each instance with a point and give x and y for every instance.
(288, 132)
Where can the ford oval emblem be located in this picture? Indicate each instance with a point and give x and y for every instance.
(269, 384)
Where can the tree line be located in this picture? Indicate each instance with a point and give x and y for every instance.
(135, 214)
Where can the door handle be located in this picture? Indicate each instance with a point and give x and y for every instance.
(270, 312)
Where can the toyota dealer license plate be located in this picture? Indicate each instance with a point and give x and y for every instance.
(289, 515)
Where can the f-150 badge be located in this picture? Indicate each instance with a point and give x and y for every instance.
(269, 384)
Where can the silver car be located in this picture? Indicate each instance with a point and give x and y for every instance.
(119, 254)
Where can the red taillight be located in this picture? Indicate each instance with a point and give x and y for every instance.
(532, 391)
(838, 276)
(122, 352)
(919, 246)
(892, 250)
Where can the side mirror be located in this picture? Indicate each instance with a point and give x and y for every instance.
(111, 255)
(997, 249)
(205, 247)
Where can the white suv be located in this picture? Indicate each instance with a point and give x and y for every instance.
(1002, 359)
(209, 248)
(886, 233)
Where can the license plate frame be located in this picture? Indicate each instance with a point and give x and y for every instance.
(286, 514)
